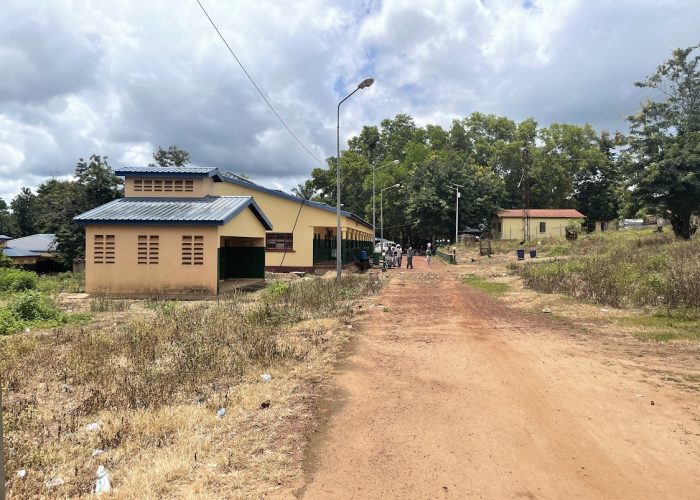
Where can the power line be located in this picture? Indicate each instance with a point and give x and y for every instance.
(269, 104)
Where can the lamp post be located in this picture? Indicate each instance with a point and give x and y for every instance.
(338, 240)
(458, 194)
(381, 214)
(374, 225)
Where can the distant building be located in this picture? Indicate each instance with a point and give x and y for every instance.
(606, 225)
(544, 223)
(36, 252)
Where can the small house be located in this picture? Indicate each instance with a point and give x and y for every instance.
(543, 223)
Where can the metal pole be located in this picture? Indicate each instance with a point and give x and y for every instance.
(457, 219)
(381, 219)
(338, 256)
(374, 225)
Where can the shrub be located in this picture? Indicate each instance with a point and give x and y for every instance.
(641, 269)
(33, 306)
(17, 279)
(8, 322)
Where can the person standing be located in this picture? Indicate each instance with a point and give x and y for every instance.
(409, 258)
(428, 254)
(399, 254)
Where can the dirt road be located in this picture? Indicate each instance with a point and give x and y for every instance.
(448, 394)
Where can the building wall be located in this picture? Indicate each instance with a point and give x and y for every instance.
(168, 276)
(282, 213)
(201, 186)
(512, 228)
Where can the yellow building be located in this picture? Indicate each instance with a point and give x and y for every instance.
(184, 230)
(544, 223)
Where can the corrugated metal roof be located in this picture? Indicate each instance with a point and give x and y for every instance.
(210, 210)
(241, 181)
(18, 252)
(156, 170)
(544, 213)
(4, 237)
(42, 242)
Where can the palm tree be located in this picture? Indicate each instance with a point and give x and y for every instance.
(305, 191)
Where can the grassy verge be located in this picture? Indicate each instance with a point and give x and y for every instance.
(153, 382)
(624, 269)
(491, 287)
(663, 327)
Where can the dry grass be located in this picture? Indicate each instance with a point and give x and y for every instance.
(154, 383)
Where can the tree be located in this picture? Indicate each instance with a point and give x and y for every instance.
(665, 142)
(305, 191)
(597, 186)
(24, 212)
(171, 157)
(6, 222)
(95, 184)
(97, 178)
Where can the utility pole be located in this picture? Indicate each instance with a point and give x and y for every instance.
(458, 195)
(374, 169)
(524, 186)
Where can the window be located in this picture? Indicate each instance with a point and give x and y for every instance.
(103, 249)
(192, 250)
(148, 249)
(543, 227)
(500, 227)
(163, 186)
(280, 241)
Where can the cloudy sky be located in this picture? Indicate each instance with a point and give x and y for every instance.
(120, 77)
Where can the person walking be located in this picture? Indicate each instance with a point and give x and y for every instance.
(399, 255)
(409, 258)
(428, 254)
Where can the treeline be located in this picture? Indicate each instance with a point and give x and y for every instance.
(654, 169)
(54, 204)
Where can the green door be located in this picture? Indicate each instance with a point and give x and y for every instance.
(241, 262)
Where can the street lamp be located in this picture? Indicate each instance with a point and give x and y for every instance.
(456, 188)
(374, 225)
(338, 240)
(381, 214)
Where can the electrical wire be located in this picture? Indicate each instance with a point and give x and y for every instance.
(269, 104)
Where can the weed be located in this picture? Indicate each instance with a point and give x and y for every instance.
(108, 304)
(16, 279)
(633, 269)
(33, 306)
(491, 287)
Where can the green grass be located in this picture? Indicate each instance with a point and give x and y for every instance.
(666, 327)
(490, 287)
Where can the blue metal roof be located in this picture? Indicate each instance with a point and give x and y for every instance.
(19, 252)
(156, 171)
(210, 210)
(240, 181)
(42, 242)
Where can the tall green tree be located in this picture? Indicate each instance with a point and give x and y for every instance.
(6, 222)
(24, 212)
(98, 179)
(171, 157)
(665, 142)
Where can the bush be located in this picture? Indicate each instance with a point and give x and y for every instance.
(8, 322)
(17, 279)
(33, 306)
(639, 270)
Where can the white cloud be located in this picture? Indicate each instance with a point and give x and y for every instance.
(121, 77)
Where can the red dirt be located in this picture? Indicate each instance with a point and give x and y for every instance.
(449, 394)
